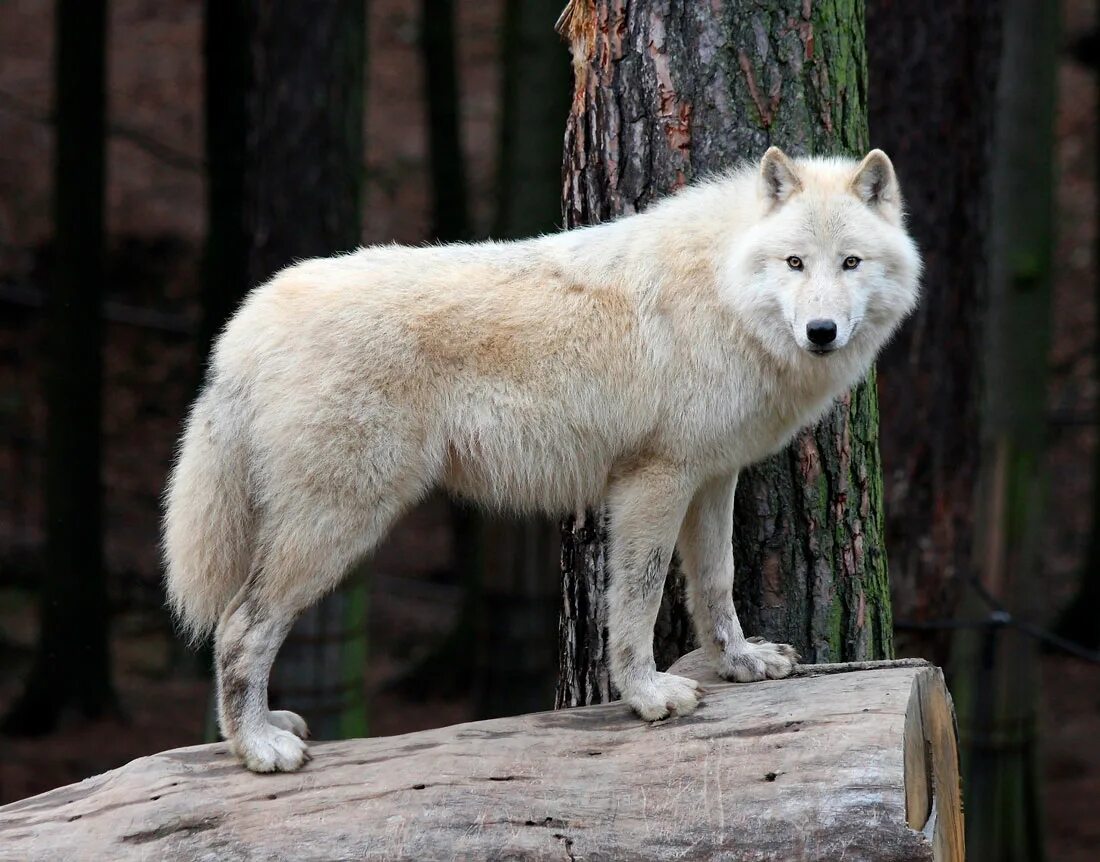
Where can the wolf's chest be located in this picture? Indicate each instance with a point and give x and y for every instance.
(758, 417)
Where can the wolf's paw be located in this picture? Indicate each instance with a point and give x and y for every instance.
(284, 719)
(662, 695)
(271, 750)
(757, 659)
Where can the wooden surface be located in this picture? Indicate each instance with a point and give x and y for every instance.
(811, 767)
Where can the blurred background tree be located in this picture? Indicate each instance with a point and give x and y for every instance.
(994, 670)
(501, 647)
(226, 86)
(518, 663)
(933, 72)
(72, 665)
(303, 185)
(1079, 621)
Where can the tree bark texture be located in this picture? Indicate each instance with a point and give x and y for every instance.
(303, 185)
(933, 72)
(72, 663)
(665, 92)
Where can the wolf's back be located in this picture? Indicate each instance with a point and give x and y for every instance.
(209, 521)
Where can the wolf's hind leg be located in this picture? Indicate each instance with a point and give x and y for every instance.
(706, 550)
(293, 569)
(247, 641)
(646, 509)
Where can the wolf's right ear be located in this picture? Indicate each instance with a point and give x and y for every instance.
(778, 177)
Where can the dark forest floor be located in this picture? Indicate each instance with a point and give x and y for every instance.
(155, 218)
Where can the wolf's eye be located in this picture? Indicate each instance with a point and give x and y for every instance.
(795, 262)
(851, 262)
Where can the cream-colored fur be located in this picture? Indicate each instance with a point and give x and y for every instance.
(640, 363)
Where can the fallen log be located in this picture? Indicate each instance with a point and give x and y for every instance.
(856, 764)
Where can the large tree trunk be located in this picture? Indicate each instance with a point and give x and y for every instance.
(72, 664)
(996, 670)
(663, 93)
(303, 184)
(933, 71)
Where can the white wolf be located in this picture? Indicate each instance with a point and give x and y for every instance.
(640, 363)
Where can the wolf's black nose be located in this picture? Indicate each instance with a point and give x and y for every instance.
(821, 332)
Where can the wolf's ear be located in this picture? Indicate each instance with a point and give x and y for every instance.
(876, 184)
(778, 177)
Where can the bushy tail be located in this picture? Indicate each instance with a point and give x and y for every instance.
(209, 521)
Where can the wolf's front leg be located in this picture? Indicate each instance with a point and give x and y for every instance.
(646, 508)
(706, 550)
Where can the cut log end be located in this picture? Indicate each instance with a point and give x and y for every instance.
(933, 797)
(932, 784)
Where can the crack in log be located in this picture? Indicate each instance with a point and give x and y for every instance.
(568, 844)
(183, 828)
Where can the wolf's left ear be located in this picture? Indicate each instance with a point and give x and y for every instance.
(778, 177)
(876, 184)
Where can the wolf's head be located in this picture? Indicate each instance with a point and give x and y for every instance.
(828, 265)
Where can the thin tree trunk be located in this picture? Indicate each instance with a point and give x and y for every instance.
(933, 72)
(225, 265)
(664, 93)
(1079, 620)
(995, 677)
(535, 81)
(72, 663)
(226, 86)
(303, 185)
(450, 217)
(463, 647)
(518, 662)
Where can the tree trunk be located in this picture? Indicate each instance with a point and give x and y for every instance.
(450, 215)
(996, 670)
(1078, 620)
(665, 92)
(226, 86)
(518, 661)
(72, 663)
(303, 185)
(535, 83)
(933, 72)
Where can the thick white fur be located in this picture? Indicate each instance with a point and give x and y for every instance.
(641, 362)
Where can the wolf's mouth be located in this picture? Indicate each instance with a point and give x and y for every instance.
(821, 351)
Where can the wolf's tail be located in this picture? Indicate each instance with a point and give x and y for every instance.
(209, 522)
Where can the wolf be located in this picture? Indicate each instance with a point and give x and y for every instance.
(638, 364)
